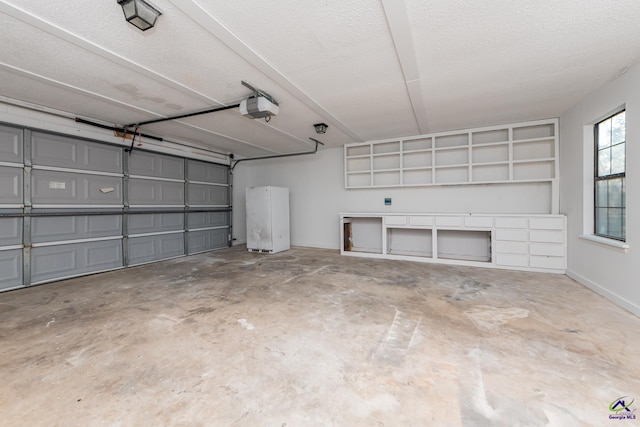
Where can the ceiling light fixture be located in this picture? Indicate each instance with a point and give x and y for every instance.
(321, 127)
(140, 13)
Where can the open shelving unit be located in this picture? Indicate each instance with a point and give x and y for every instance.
(519, 152)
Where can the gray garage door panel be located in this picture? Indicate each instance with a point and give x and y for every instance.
(10, 145)
(201, 194)
(58, 228)
(52, 187)
(10, 232)
(76, 188)
(57, 262)
(153, 223)
(207, 172)
(150, 192)
(11, 268)
(208, 219)
(59, 151)
(154, 248)
(156, 165)
(11, 185)
(204, 240)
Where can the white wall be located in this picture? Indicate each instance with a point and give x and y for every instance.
(606, 270)
(316, 183)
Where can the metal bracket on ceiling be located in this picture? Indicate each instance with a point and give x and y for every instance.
(258, 92)
(133, 140)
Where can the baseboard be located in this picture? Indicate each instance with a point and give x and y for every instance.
(313, 246)
(617, 299)
(302, 245)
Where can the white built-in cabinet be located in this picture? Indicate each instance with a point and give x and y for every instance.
(509, 154)
(519, 242)
(521, 152)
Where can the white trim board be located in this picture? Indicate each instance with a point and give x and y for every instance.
(615, 298)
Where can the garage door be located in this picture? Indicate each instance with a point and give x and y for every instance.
(11, 203)
(70, 207)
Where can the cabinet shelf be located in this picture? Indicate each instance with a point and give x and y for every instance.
(385, 147)
(542, 160)
(460, 165)
(535, 130)
(519, 152)
(425, 150)
(454, 140)
(419, 168)
(526, 181)
(490, 153)
(357, 150)
(502, 162)
(490, 136)
(458, 147)
(489, 144)
(417, 160)
(417, 144)
(386, 170)
(544, 138)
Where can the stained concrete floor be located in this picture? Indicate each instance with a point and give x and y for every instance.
(309, 338)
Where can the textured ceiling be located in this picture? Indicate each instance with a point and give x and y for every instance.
(370, 69)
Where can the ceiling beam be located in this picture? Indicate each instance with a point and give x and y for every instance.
(399, 26)
(103, 98)
(206, 20)
(68, 87)
(81, 42)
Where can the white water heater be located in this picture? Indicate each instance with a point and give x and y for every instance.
(267, 219)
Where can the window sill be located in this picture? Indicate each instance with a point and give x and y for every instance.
(608, 243)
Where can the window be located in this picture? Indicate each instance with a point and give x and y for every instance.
(610, 168)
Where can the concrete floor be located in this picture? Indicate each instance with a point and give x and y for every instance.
(309, 338)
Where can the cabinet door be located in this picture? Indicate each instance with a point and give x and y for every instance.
(395, 220)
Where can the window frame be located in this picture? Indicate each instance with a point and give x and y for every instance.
(597, 178)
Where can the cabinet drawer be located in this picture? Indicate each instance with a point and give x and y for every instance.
(511, 222)
(549, 249)
(546, 223)
(512, 247)
(547, 236)
(471, 221)
(420, 220)
(395, 220)
(449, 221)
(552, 262)
(512, 260)
(512, 235)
